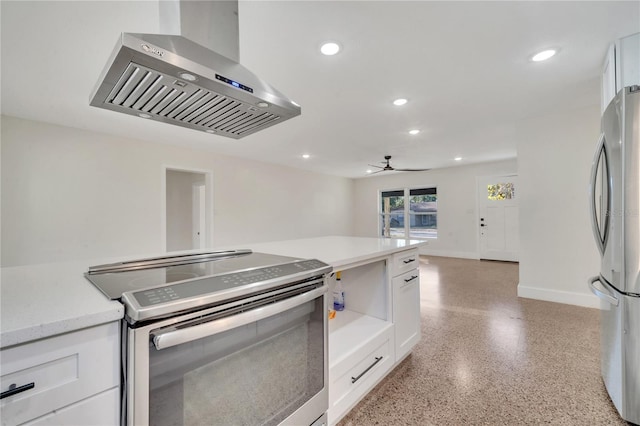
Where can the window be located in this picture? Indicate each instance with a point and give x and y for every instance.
(392, 214)
(501, 191)
(419, 205)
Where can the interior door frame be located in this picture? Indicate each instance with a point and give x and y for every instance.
(478, 207)
(208, 182)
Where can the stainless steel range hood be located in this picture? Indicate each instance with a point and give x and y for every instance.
(181, 80)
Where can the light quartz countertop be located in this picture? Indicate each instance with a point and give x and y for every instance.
(337, 251)
(39, 301)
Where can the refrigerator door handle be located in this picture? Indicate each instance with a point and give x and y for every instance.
(600, 234)
(601, 294)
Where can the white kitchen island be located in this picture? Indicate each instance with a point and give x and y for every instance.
(54, 323)
(381, 321)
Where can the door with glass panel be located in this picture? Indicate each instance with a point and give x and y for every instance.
(498, 221)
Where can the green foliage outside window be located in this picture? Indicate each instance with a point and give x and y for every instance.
(501, 191)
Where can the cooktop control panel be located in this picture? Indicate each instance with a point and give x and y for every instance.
(217, 283)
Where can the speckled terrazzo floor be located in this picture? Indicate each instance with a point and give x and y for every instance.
(488, 357)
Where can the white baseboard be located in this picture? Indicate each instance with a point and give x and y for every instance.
(566, 297)
(448, 253)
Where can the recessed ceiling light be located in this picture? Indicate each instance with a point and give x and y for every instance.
(544, 55)
(414, 132)
(330, 48)
(399, 102)
(458, 158)
(305, 156)
(143, 115)
(369, 171)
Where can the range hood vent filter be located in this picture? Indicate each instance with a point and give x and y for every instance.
(141, 91)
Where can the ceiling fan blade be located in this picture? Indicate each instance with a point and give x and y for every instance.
(373, 173)
(388, 168)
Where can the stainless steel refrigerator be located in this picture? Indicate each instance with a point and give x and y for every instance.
(615, 205)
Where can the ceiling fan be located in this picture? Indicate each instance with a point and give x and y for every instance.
(388, 168)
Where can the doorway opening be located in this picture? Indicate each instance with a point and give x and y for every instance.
(188, 208)
(498, 220)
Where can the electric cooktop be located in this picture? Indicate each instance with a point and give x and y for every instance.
(160, 285)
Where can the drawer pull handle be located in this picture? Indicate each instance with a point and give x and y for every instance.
(408, 261)
(13, 389)
(355, 379)
(413, 277)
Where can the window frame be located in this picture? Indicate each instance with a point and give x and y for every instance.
(407, 214)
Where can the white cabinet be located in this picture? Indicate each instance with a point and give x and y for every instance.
(404, 261)
(360, 337)
(406, 301)
(608, 84)
(628, 61)
(358, 371)
(95, 411)
(63, 379)
(621, 68)
(406, 312)
(378, 328)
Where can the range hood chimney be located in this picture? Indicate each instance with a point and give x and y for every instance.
(192, 79)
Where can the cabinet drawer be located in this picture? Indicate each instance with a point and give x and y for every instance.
(99, 410)
(404, 261)
(350, 383)
(61, 369)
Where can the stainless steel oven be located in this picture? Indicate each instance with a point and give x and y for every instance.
(232, 338)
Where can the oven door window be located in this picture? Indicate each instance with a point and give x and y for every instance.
(253, 374)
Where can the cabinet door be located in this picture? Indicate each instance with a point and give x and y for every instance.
(608, 87)
(621, 68)
(628, 62)
(406, 312)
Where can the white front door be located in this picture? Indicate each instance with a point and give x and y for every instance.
(498, 220)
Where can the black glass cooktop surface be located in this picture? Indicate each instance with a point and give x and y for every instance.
(116, 279)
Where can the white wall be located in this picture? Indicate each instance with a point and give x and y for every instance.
(558, 252)
(73, 194)
(457, 209)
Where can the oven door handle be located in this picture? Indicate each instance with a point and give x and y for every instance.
(167, 338)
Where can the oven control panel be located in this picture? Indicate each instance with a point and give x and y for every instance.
(217, 283)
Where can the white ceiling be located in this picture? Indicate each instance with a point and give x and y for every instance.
(464, 66)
